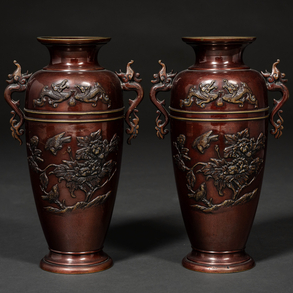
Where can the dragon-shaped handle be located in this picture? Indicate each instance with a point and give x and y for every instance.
(17, 83)
(130, 82)
(163, 82)
(275, 82)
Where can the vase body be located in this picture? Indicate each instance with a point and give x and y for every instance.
(218, 123)
(74, 118)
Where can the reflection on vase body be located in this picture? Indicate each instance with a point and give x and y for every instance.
(218, 121)
(74, 121)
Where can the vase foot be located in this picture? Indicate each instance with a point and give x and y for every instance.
(218, 262)
(76, 263)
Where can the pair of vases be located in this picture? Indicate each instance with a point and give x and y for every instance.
(74, 116)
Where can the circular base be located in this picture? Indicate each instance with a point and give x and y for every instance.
(76, 263)
(218, 262)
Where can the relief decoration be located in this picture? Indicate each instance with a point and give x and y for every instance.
(59, 92)
(88, 170)
(208, 92)
(235, 170)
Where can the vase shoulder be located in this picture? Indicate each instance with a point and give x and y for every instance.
(218, 90)
(91, 90)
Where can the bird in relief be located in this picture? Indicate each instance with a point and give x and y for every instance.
(56, 142)
(200, 193)
(202, 142)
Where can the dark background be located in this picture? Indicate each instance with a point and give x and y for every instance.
(146, 239)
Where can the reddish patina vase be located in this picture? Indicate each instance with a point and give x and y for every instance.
(74, 118)
(218, 119)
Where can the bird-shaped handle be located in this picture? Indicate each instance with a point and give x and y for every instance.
(130, 81)
(275, 82)
(17, 82)
(163, 82)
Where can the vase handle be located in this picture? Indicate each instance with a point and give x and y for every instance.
(130, 81)
(163, 82)
(275, 82)
(17, 82)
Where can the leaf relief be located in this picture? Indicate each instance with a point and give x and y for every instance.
(236, 173)
(88, 171)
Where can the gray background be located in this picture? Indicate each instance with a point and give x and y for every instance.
(146, 239)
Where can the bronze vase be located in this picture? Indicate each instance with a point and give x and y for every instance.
(218, 119)
(74, 118)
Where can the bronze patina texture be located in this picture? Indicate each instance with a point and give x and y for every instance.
(74, 121)
(218, 119)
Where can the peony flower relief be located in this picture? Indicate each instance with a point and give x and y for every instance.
(236, 170)
(88, 171)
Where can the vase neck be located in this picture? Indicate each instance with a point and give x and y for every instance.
(219, 52)
(74, 53)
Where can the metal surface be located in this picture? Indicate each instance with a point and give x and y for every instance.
(218, 110)
(74, 134)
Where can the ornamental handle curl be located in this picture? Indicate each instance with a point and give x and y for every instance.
(163, 82)
(275, 82)
(130, 82)
(17, 83)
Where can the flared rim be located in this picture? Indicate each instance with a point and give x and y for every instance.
(219, 39)
(73, 40)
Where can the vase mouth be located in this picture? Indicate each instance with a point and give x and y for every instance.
(72, 40)
(219, 39)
